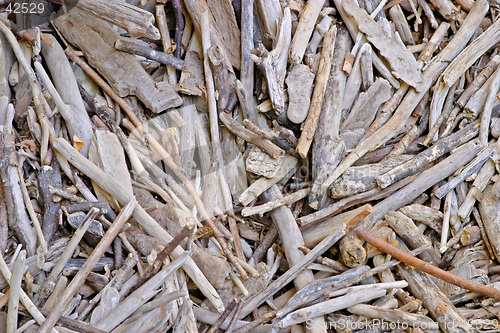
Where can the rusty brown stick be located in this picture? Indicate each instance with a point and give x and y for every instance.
(424, 266)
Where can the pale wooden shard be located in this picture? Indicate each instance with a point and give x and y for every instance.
(363, 112)
(123, 71)
(107, 152)
(402, 62)
(489, 208)
(299, 82)
(262, 164)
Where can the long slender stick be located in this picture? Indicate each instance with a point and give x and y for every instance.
(312, 119)
(31, 212)
(15, 287)
(424, 266)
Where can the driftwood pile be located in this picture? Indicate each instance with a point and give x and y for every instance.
(250, 166)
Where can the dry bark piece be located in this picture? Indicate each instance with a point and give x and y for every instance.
(123, 71)
(352, 252)
(403, 64)
(299, 83)
(191, 79)
(261, 163)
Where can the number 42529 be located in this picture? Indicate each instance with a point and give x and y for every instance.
(25, 8)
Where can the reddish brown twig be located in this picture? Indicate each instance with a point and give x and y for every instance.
(424, 266)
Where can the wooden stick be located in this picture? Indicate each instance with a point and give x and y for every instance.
(479, 80)
(476, 164)
(179, 27)
(289, 231)
(408, 231)
(270, 205)
(32, 213)
(45, 124)
(447, 9)
(393, 315)
(425, 180)
(341, 283)
(304, 30)
(482, 179)
(426, 267)
(321, 81)
(339, 303)
(267, 146)
(247, 65)
(125, 45)
(484, 129)
(433, 43)
(18, 219)
(439, 306)
(273, 63)
(397, 16)
(15, 287)
(92, 260)
(161, 18)
(68, 100)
